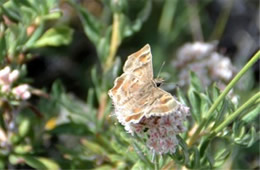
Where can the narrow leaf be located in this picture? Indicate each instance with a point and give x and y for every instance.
(195, 104)
(252, 114)
(92, 26)
(33, 162)
(49, 164)
(55, 37)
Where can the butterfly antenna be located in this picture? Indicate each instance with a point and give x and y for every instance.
(160, 69)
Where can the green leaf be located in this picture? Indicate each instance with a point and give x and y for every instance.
(196, 157)
(57, 89)
(195, 103)
(220, 115)
(204, 104)
(238, 129)
(35, 35)
(113, 72)
(22, 149)
(92, 26)
(61, 35)
(182, 97)
(29, 160)
(14, 159)
(23, 2)
(52, 16)
(195, 82)
(2, 164)
(11, 44)
(93, 147)
(70, 128)
(249, 117)
(118, 160)
(24, 127)
(210, 159)
(185, 150)
(139, 165)
(204, 146)
(104, 167)
(124, 136)
(221, 156)
(2, 46)
(21, 37)
(90, 104)
(140, 154)
(129, 27)
(49, 164)
(95, 80)
(214, 92)
(242, 136)
(33, 162)
(253, 137)
(10, 13)
(103, 45)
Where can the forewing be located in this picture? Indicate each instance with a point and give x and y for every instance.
(129, 96)
(125, 87)
(139, 64)
(137, 74)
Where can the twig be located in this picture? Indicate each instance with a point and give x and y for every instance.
(115, 41)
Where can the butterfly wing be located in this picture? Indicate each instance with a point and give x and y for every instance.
(137, 73)
(139, 64)
(162, 103)
(132, 85)
(152, 101)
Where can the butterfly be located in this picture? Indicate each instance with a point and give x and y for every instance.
(136, 94)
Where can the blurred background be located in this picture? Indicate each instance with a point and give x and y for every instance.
(74, 64)
(167, 25)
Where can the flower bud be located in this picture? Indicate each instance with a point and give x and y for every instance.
(13, 76)
(4, 88)
(4, 75)
(22, 92)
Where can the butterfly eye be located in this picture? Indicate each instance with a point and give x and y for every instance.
(158, 84)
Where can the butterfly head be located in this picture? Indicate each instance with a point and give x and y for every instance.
(158, 81)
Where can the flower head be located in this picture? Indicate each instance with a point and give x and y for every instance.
(160, 132)
(203, 59)
(7, 78)
(209, 65)
(22, 92)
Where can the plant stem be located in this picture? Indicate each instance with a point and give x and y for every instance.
(139, 152)
(222, 21)
(156, 163)
(167, 17)
(115, 41)
(231, 117)
(223, 94)
(194, 20)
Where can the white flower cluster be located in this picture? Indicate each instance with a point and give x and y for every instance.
(160, 132)
(7, 77)
(202, 59)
